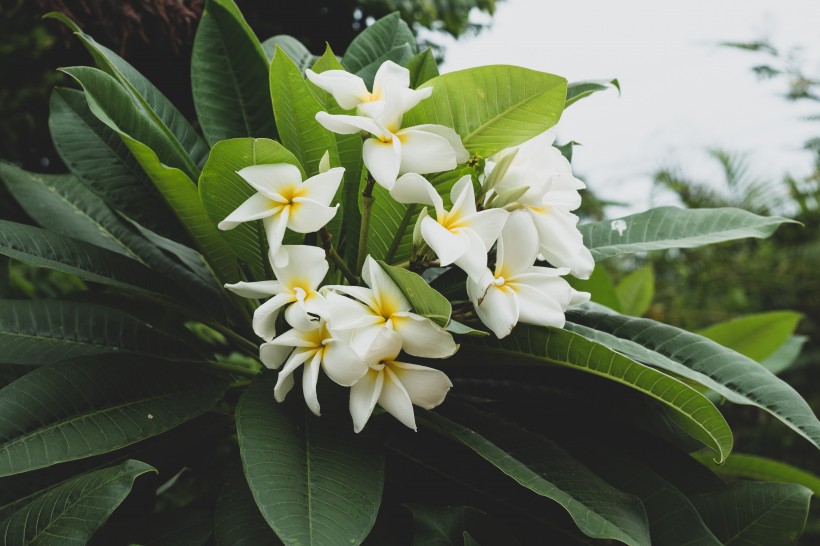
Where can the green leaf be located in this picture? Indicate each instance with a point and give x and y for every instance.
(295, 109)
(315, 482)
(538, 464)
(187, 145)
(177, 527)
(754, 467)
(462, 329)
(755, 513)
(600, 286)
(294, 49)
(426, 301)
(222, 190)
(229, 76)
(372, 46)
(44, 331)
(732, 375)
(101, 160)
(71, 410)
(785, 355)
(756, 336)
(422, 67)
(635, 292)
(448, 525)
(237, 519)
(65, 206)
(492, 107)
(73, 511)
(41, 248)
(107, 100)
(529, 345)
(672, 227)
(399, 55)
(579, 90)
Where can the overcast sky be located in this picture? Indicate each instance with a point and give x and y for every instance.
(681, 92)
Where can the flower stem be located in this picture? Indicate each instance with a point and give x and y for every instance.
(327, 244)
(233, 368)
(367, 206)
(394, 246)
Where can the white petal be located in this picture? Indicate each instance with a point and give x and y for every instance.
(256, 207)
(382, 160)
(413, 188)
(345, 314)
(462, 195)
(517, 246)
(256, 290)
(462, 155)
(389, 296)
(385, 347)
(310, 377)
(264, 318)
(361, 293)
(348, 125)
(395, 400)
(342, 365)
(300, 317)
(275, 231)
(561, 243)
(422, 337)
(498, 310)
(427, 387)
(271, 179)
(448, 246)
(487, 225)
(411, 97)
(322, 188)
(295, 338)
(306, 267)
(390, 78)
(285, 381)
(307, 216)
(363, 397)
(348, 89)
(544, 308)
(474, 260)
(477, 286)
(423, 152)
(273, 355)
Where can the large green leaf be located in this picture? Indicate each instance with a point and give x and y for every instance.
(294, 49)
(755, 513)
(579, 90)
(41, 248)
(598, 509)
(732, 375)
(65, 206)
(529, 345)
(315, 482)
(635, 291)
(446, 526)
(222, 190)
(44, 331)
(756, 336)
(374, 45)
(785, 355)
(186, 143)
(237, 520)
(101, 160)
(229, 76)
(109, 102)
(422, 67)
(295, 109)
(492, 107)
(740, 465)
(600, 286)
(71, 410)
(672, 227)
(72, 512)
(426, 301)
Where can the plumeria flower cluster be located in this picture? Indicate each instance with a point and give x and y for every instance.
(364, 335)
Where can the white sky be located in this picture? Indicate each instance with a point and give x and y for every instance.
(681, 92)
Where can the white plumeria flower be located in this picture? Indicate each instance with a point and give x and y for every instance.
(384, 306)
(283, 201)
(350, 91)
(517, 290)
(295, 285)
(392, 150)
(460, 236)
(395, 386)
(316, 349)
(552, 195)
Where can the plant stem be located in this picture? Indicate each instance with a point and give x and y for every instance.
(367, 206)
(327, 244)
(394, 246)
(248, 346)
(233, 368)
